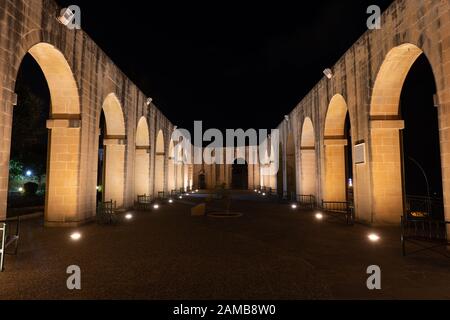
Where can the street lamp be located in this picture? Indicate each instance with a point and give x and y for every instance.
(426, 180)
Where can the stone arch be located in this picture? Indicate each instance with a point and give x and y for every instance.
(335, 142)
(62, 186)
(114, 142)
(390, 78)
(142, 161)
(159, 162)
(308, 158)
(115, 123)
(64, 95)
(385, 139)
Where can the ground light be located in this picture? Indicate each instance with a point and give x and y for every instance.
(170, 201)
(156, 206)
(75, 236)
(373, 237)
(264, 194)
(129, 216)
(294, 206)
(180, 197)
(319, 216)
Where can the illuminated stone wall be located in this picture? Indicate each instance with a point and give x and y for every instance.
(369, 77)
(80, 78)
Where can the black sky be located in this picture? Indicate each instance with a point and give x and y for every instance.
(230, 64)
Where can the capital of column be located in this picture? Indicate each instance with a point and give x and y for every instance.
(63, 124)
(329, 141)
(115, 141)
(387, 124)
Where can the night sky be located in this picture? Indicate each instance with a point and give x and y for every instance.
(230, 64)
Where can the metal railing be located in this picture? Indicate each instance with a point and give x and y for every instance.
(340, 209)
(106, 212)
(306, 201)
(426, 233)
(144, 202)
(8, 238)
(421, 207)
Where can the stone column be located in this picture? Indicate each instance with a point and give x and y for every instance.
(142, 171)
(334, 186)
(62, 185)
(308, 175)
(387, 192)
(114, 175)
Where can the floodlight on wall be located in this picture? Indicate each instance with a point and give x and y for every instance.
(149, 101)
(66, 16)
(286, 118)
(328, 73)
(14, 99)
(436, 100)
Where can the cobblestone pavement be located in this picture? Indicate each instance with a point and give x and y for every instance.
(271, 252)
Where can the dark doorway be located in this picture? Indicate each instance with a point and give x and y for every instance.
(420, 139)
(240, 175)
(202, 181)
(348, 160)
(29, 140)
(101, 158)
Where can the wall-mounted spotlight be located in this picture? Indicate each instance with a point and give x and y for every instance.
(286, 118)
(436, 100)
(14, 99)
(66, 16)
(149, 101)
(328, 73)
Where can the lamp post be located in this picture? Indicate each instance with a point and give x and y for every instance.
(426, 180)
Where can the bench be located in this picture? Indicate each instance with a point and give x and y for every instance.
(8, 238)
(106, 212)
(340, 209)
(306, 201)
(161, 196)
(144, 202)
(426, 233)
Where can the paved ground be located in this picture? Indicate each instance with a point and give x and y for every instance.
(271, 252)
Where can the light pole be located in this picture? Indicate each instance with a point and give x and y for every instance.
(426, 180)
